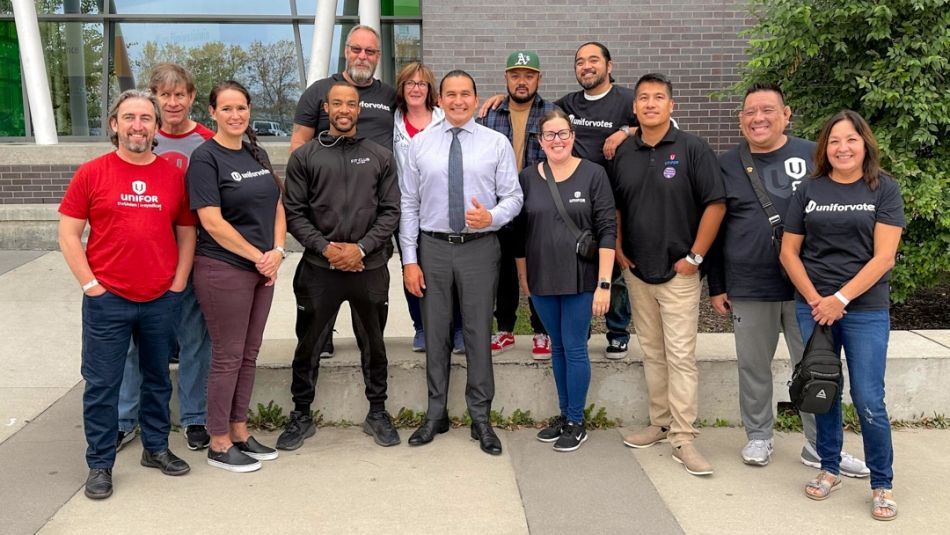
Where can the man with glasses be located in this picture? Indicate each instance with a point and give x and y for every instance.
(377, 106)
(517, 118)
(745, 278)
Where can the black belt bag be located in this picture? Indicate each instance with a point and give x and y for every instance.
(584, 245)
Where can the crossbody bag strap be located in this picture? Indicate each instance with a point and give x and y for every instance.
(552, 184)
(745, 155)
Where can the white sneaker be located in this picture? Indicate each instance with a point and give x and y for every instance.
(849, 466)
(757, 452)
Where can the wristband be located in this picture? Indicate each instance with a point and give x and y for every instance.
(282, 252)
(91, 284)
(844, 300)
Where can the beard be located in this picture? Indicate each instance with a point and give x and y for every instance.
(361, 73)
(136, 147)
(521, 100)
(343, 129)
(592, 83)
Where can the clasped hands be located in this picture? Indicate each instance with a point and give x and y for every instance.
(344, 256)
(268, 265)
(827, 310)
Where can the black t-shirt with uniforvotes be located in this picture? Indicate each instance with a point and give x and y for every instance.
(595, 120)
(837, 221)
(244, 190)
(377, 106)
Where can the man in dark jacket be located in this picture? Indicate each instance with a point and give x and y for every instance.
(342, 205)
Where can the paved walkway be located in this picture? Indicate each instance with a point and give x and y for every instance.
(340, 482)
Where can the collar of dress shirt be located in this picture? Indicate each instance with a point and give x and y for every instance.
(468, 127)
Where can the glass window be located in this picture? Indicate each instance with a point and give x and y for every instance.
(64, 6)
(406, 38)
(73, 52)
(11, 85)
(200, 7)
(350, 8)
(262, 57)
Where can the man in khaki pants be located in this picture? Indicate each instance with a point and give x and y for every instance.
(670, 202)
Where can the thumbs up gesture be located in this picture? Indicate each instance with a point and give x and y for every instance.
(477, 217)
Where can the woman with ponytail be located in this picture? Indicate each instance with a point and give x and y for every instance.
(241, 234)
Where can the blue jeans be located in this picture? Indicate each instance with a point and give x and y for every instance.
(108, 322)
(618, 315)
(194, 359)
(567, 319)
(863, 334)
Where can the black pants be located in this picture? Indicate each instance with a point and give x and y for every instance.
(507, 296)
(319, 293)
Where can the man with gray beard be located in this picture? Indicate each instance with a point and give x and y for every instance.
(377, 106)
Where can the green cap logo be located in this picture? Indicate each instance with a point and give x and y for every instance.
(523, 59)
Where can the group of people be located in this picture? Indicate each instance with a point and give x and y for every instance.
(566, 201)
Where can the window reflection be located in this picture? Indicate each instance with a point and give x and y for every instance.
(200, 7)
(73, 54)
(11, 88)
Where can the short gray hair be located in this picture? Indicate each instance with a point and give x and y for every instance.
(379, 40)
(127, 95)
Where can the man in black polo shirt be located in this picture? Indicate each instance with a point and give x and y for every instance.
(377, 106)
(670, 202)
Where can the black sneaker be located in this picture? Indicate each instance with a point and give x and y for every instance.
(197, 437)
(123, 438)
(299, 427)
(379, 425)
(554, 429)
(99, 483)
(616, 349)
(254, 449)
(573, 436)
(233, 460)
(327, 352)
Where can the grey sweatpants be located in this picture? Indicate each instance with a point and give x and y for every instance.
(757, 325)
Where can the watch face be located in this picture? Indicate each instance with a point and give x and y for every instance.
(605, 285)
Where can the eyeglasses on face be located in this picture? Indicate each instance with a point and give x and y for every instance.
(409, 84)
(548, 135)
(357, 50)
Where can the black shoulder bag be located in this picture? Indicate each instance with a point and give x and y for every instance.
(778, 228)
(817, 379)
(584, 241)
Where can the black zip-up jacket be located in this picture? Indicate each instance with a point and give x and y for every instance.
(345, 192)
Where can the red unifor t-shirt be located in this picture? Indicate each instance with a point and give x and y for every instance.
(132, 212)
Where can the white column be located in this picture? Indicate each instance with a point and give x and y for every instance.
(322, 40)
(34, 72)
(369, 16)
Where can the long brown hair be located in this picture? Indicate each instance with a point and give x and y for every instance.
(256, 151)
(871, 166)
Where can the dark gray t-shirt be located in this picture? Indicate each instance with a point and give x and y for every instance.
(377, 106)
(595, 120)
(244, 190)
(838, 221)
(744, 261)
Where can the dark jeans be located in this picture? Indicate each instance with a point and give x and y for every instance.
(567, 318)
(863, 334)
(319, 293)
(509, 292)
(235, 303)
(108, 322)
(619, 313)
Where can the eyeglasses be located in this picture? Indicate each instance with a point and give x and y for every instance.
(563, 134)
(357, 50)
(409, 84)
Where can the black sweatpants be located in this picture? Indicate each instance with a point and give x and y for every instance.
(320, 292)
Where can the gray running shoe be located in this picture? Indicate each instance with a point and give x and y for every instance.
(757, 452)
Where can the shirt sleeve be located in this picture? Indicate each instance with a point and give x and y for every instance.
(296, 207)
(202, 180)
(507, 188)
(309, 106)
(604, 210)
(186, 217)
(409, 205)
(707, 178)
(795, 217)
(76, 201)
(890, 205)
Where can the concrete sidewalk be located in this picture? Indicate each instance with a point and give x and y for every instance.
(340, 482)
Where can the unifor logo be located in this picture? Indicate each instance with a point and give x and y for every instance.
(523, 59)
(236, 176)
(795, 168)
(577, 195)
(810, 207)
(138, 187)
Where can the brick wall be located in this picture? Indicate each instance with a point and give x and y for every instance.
(694, 42)
(34, 184)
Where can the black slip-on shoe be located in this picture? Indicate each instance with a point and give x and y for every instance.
(233, 460)
(255, 450)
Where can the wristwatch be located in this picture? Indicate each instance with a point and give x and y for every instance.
(625, 129)
(604, 284)
(694, 258)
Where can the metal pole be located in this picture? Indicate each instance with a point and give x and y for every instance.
(34, 72)
(322, 40)
(369, 16)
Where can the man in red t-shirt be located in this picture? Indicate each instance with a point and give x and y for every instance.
(132, 272)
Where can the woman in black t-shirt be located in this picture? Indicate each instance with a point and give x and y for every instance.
(841, 236)
(565, 289)
(236, 193)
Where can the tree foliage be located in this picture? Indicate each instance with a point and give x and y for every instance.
(888, 60)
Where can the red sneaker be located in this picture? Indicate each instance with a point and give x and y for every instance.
(542, 347)
(502, 341)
